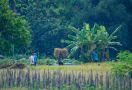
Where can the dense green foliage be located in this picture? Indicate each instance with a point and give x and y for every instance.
(46, 23)
(15, 34)
(125, 57)
(49, 19)
(125, 63)
(44, 27)
(11, 63)
(49, 61)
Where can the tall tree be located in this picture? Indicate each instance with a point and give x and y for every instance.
(107, 41)
(14, 31)
(45, 22)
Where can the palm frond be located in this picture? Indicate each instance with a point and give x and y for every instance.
(72, 37)
(66, 41)
(95, 28)
(116, 30)
(73, 50)
(70, 45)
(102, 28)
(86, 27)
(112, 38)
(73, 29)
(115, 43)
(113, 48)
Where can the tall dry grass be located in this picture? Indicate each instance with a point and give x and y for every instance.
(63, 78)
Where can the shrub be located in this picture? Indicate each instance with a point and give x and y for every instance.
(85, 58)
(125, 57)
(46, 61)
(9, 63)
(125, 63)
(17, 57)
(23, 61)
(5, 63)
(18, 66)
(71, 61)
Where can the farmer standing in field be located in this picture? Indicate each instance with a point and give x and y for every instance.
(95, 56)
(31, 58)
(35, 58)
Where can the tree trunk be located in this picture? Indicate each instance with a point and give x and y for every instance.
(103, 54)
(81, 51)
(92, 47)
(107, 55)
(60, 59)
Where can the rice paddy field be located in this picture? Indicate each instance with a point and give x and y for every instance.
(92, 76)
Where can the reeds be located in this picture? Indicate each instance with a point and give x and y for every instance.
(59, 80)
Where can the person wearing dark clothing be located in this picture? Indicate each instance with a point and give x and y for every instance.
(60, 59)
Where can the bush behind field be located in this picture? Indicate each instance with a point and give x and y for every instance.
(23, 60)
(4, 63)
(13, 63)
(46, 61)
(71, 61)
(49, 61)
(125, 63)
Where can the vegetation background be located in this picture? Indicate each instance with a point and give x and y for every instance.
(48, 27)
(47, 20)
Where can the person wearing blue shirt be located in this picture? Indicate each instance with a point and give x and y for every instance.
(35, 58)
(95, 56)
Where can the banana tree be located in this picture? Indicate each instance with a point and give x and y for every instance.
(106, 40)
(76, 41)
(89, 39)
(84, 37)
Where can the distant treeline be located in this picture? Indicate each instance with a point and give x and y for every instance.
(49, 19)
